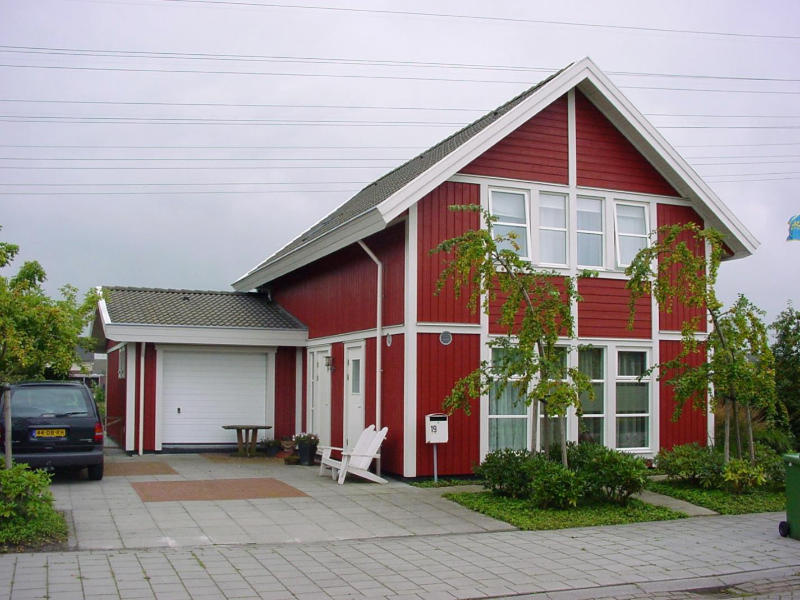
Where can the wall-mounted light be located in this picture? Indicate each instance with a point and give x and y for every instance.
(329, 362)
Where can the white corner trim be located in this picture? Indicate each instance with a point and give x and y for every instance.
(269, 409)
(130, 396)
(298, 390)
(159, 391)
(410, 348)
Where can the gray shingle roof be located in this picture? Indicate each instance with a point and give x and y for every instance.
(378, 191)
(197, 308)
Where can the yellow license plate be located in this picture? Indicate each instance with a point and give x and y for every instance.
(50, 433)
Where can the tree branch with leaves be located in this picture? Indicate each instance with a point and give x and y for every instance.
(681, 266)
(536, 313)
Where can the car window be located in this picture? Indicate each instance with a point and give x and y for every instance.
(49, 401)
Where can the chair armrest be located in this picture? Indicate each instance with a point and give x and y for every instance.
(329, 448)
(378, 455)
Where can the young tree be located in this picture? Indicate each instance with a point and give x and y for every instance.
(787, 364)
(739, 367)
(38, 335)
(536, 311)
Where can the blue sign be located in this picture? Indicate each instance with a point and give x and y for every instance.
(794, 229)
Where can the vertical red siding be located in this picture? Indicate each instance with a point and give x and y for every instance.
(337, 294)
(369, 381)
(438, 368)
(137, 395)
(692, 425)
(673, 320)
(496, 308)
(149, 441)
(337, 395)
(604, 310)
(285, 398)
(436, 224)
(115, 399)
(606, 159)
(536, 151)
(392, 401)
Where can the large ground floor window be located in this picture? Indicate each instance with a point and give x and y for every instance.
(619, 414)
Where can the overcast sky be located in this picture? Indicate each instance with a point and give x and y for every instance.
(177, 143)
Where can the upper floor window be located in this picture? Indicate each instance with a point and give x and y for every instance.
(590, 232)
(553, 228)
(512, 218)
(631, 231)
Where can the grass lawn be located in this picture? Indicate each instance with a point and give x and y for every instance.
(721, 501)
(430, 483)
(522, 514)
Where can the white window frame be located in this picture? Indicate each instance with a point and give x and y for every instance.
(526, 195)
(601, 233)
(646, 235)
(525, 415)
(612, 407)
(604, 381)
(567, 196)
(122, 362)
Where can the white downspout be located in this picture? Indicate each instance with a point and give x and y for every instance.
(141, 397)
(378, 341)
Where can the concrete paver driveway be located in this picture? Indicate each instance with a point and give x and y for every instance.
(110, 514)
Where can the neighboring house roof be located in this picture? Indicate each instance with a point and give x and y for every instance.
(378, 204)
(168, 315)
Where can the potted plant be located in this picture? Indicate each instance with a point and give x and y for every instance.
(272, 447)
(287, 443)
(306, 447)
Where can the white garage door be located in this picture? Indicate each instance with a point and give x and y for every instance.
(201, 391)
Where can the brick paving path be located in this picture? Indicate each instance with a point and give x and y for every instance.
(663, 560)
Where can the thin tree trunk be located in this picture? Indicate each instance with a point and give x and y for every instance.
(750, 441)
(727, 441)
(737, 429)
(535, 427)
(564, 441)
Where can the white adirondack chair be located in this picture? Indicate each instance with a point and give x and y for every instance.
(357, 460)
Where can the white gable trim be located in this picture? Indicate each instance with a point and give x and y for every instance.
(587, 77)
(342, 236)
(593, 83)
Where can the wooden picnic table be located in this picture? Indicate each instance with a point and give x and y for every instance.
(246, 442)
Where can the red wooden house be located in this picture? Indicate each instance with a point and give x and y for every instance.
(577, 172)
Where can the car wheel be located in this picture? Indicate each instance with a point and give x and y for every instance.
(95, 472)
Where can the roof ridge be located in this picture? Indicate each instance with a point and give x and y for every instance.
(178, 290)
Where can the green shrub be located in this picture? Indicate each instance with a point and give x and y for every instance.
(553, 485)
(610, 474)
(740, 476)
(779, 440)
(692, 463)
(772, 463)
(26, 507)
(507, 472)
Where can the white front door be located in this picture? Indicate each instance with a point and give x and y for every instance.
(319, 381)
(353, 394)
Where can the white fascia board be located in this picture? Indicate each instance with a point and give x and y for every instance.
(667, 161)
(340, 237)
(165, 334)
